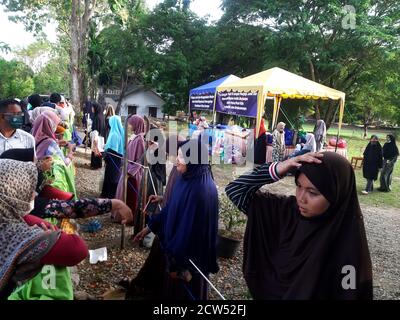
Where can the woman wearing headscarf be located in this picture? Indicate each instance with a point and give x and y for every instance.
(157, 169)
(44, 130)
(308, 246)
(35, 113)
(320, 134)
(28, 242)
(187, 226)
(114, 150)
(372, 162)
(62, 172)
(97, 136)
(28, 155)
(390, 154)
(135, 150)
(148, 283)
(310, 144)
(278, 142)
(108, 114)
(260, 146)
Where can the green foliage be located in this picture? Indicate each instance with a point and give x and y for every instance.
(35, 54)
(230, 216)
(53, 77)
(16, 79)
(355, 147)
(180, 59)
(173, 50)
(308, 37)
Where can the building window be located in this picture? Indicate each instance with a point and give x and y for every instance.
(153, 112)
(132, 109)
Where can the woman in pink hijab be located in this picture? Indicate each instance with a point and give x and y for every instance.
(135, 150)
(44, 128)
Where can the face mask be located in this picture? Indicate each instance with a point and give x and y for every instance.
(15, 121)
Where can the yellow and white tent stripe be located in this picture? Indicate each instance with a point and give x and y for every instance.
(281, 84)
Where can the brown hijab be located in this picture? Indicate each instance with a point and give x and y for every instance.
(288, 256)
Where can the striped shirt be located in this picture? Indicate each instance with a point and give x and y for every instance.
(19, 140)
(242, 190)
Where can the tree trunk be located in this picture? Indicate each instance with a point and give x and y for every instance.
(74, 54)
(79, 28)
(330, 113)
(367, 120)
(316, 105)
(365, 130)
(124, 85)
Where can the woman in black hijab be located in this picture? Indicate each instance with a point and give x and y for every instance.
(390, 154)
(98, 125)
(308, 246)
(372, 163)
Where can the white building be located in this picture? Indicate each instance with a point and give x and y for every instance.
(137, 100)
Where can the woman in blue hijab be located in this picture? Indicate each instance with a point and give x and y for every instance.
(187, 226)
(113, 151)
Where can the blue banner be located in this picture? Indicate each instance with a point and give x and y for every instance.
(237, 103)
(203, 101)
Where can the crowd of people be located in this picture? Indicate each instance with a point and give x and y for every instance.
(295, 247)
(38, 198)
(375, 159)
(309, 142)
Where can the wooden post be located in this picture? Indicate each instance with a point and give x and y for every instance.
(125, 176)
(146, 173)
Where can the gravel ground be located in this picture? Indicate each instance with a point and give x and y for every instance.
(382, 225)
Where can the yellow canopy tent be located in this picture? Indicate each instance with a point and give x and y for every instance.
(279, 84)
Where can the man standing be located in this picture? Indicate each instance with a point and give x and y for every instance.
(11, 120)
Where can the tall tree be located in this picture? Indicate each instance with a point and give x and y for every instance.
(327, 41)
(117, 54)
(181, 43)
(16, 79)
(73, 19)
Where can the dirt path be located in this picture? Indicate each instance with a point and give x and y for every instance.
(382, 227)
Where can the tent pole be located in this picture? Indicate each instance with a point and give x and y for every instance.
(340, 124)
(145, 177)
(277, 110)
(274, 113)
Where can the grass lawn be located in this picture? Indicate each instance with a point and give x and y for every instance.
(355, 147)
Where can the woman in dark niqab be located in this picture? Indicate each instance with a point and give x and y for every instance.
(373, 161)
(309, 246)
(98, 125)
(390, 154)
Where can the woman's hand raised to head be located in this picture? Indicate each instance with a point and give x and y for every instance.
(285, 166)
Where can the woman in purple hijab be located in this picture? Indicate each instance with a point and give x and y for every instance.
(44, 128)
(187, 226)
(135, 150)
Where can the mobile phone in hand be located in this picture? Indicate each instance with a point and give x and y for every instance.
(151, 207)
